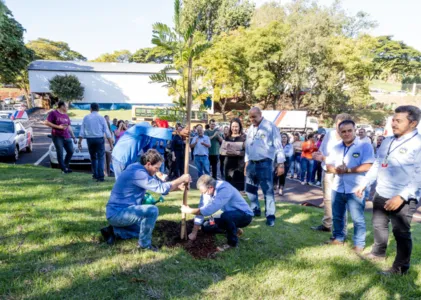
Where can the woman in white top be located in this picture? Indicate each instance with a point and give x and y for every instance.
(289, 152)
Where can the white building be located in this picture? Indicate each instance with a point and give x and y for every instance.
(112, 85)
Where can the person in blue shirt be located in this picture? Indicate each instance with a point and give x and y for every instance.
(236, 213)
(397, 170)
(349, 161)
(263, 146)
(135, 140)
(93, 129)
(127, 215)
(200, 145)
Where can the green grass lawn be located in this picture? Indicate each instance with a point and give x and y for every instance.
(50, 249)
(386, 86)
(121, 114)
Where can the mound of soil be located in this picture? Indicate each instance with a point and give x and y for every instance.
(167, 233)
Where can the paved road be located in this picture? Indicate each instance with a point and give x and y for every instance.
(293, 193)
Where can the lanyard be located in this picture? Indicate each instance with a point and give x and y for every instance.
(390, 146)
(346, 150)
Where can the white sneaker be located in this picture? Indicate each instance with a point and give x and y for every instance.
(318, 183)
(303, 183)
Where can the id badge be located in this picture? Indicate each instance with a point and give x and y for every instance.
(211, 221)
(385, 163)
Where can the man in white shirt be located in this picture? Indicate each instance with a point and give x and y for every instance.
(363, 136)
(397, 171)
(263, 144)
(331, 139)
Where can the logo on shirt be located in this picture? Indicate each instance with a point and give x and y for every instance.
(262, 136)
(403, 150)
(355, 155)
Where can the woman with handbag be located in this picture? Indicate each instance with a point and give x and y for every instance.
(233, 148)
(279, 181)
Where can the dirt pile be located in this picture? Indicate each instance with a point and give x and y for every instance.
(167, 233)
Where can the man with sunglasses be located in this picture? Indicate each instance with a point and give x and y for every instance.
(221, 195)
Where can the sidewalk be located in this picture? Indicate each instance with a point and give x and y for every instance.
(296, 193)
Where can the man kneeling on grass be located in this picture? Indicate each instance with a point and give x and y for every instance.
(220, 195)
(127, 216)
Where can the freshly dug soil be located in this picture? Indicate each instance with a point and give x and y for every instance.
(167, 233)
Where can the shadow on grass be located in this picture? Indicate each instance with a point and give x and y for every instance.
(66, 248)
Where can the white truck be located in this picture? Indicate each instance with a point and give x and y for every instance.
(292, 120)
(14, 138)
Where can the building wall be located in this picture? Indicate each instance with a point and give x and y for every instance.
(10, 93)
(131, 88)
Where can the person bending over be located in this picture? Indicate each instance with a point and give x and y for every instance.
(236, 213)
(127, 215)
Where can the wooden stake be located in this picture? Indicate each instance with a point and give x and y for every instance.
(183, 234)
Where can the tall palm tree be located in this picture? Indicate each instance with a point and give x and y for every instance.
(186, 45)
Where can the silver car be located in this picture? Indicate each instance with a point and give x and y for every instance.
(80, 157)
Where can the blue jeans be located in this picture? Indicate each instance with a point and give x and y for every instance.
(202, 164)
(61, 143)
(355, 205)
(296, 165)
(261, 173)
(307, 165)
(97, 152)
(136, 221)
(228, 223)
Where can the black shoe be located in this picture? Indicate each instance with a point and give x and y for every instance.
(108, 235)
(66, 171)
(321, 228)
(270, 221)
(100, 180)
(257, 212)
(150, 248)
(394, 271)
(69, 170)
(94, 177)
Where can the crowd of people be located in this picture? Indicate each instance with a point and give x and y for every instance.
(344, 161)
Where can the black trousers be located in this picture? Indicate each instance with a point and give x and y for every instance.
(228, 223)
(213, 159)
(401, 227)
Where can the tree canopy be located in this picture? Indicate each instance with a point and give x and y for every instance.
(119, 56)
(54, 50)
(66, 88)
(14, 56)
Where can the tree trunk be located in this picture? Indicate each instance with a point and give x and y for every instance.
(183, 234)
(223, 104)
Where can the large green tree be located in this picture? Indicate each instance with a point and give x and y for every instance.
(54, 50)
(14, 56)
(67, 88)
(267, 13)
(156, 55)
(119, 56)
(218, 15)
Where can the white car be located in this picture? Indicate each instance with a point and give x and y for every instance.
(368, 128)
(80, 157)
(14, 138)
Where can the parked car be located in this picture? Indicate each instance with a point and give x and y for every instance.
(368, 128)
(399, 93)
(14, 138)
(8, 101)
(80, 157)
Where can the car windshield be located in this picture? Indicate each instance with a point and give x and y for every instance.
(76, 129)
(6, 127)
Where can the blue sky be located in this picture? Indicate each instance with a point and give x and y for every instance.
(93, 27)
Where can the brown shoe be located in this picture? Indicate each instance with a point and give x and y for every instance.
(371, 256)
(240, 232)
(357, 249)
(334, 242)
